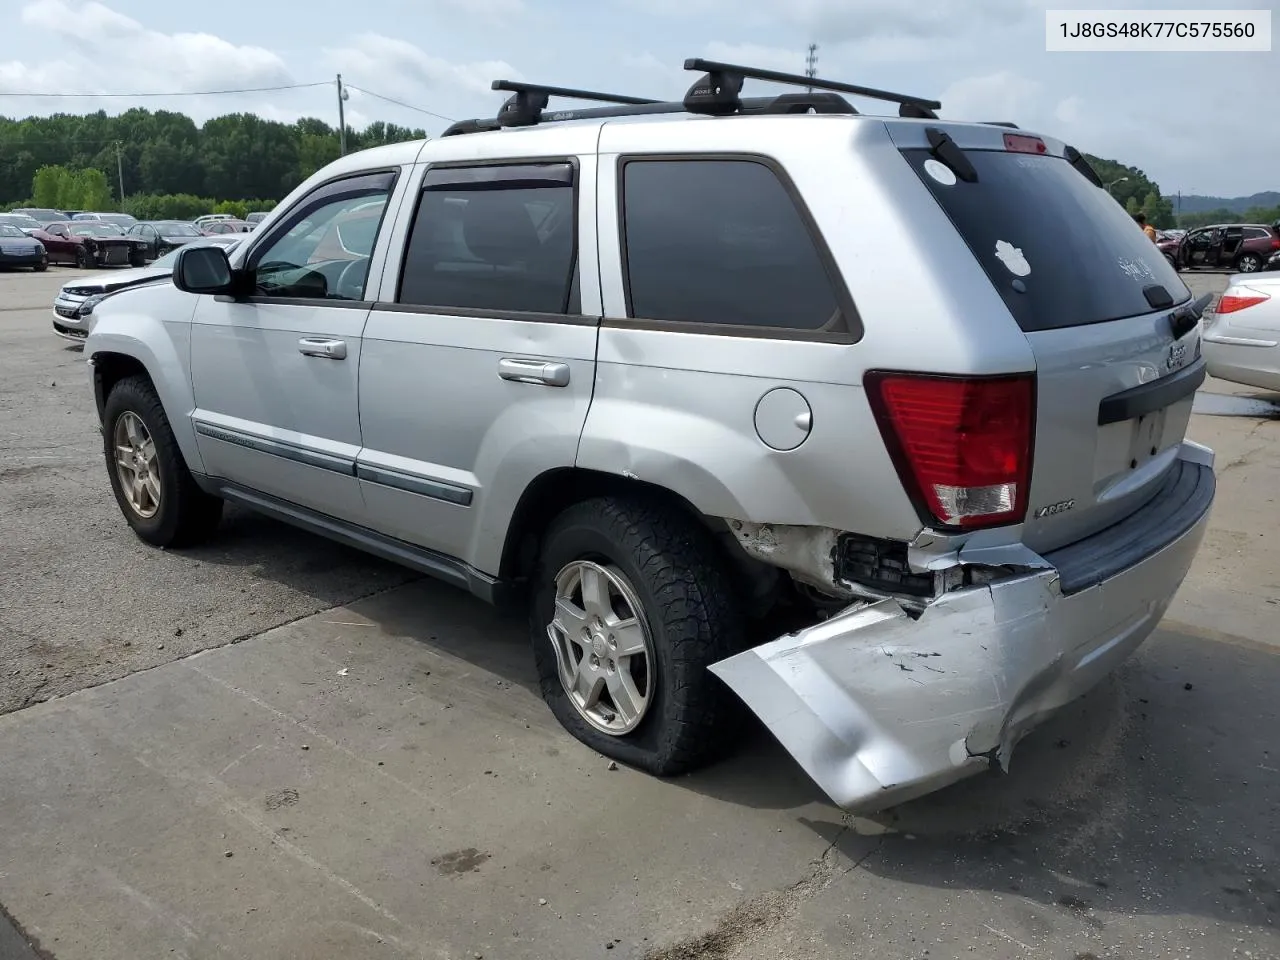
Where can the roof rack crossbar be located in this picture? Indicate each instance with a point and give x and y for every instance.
(515, 86)
(793, 79)
(527, 101)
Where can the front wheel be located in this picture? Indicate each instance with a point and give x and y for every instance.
(631, 604)
(1249, 263)
(41, 267)
(152, 485)
(1172, 262)
(83, 260)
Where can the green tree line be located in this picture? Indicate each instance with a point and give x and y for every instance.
(1269, 215)
(233, 157)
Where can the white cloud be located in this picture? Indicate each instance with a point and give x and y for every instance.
(1069, 110)
(843, 21)
(997, 96)
(387, 63)
(105, 51)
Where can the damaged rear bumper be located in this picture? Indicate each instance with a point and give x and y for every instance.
(879, 707)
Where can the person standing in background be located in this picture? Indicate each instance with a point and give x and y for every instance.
(1141, 220)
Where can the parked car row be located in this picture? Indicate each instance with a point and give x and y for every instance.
(88, 240)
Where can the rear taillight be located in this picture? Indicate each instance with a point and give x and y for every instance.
(962, 446)
(1234, 302)
(1275, 243)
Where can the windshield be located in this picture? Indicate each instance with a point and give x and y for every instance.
(177, 230)
(1060, 251)
(10, 231)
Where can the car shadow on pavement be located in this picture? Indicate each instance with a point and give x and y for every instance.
(330, 572)
(1157, 794)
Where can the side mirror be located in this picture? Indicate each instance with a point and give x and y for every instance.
(203, 270)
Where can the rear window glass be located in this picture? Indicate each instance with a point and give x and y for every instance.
(1059, 250)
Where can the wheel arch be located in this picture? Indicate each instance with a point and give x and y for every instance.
(141, 346)
(553, 491)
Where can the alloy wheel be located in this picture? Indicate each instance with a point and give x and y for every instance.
(137, 466)
(602, 646)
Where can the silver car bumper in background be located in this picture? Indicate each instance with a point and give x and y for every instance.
(878, 707)
(66, 323)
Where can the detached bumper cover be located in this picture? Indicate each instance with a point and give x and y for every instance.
(879, 708)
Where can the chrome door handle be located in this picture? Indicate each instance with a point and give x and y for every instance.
(534, 371)
(319, 347)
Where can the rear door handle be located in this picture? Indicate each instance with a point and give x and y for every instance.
(534, 371)
(319, 347)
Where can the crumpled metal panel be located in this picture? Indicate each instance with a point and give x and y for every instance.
(878, 707)
(872, 703)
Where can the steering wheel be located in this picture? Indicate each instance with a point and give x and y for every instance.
(351, 281)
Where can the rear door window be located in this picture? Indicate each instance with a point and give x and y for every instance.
(721, 241)
(1060, 251)
(495, 238)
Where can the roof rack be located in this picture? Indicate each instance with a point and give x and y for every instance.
(718, 91)
(715, 94)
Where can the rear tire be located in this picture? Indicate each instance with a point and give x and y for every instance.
(673, 572)
(174, 512)
(1249, 263)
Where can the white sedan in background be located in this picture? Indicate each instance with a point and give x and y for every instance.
(1242, 335)
(76, 299)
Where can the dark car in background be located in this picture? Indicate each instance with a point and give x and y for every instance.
(19, 249)
(1237, 247)
(43, 214)
(103, 244)
(161, 236)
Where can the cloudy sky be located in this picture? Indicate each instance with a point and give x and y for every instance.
(1195, 122)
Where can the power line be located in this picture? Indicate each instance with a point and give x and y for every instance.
(399, 103)
(177, 93)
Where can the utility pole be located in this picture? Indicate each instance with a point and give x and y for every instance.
(120, 173)
(811, 63)
(342, 118)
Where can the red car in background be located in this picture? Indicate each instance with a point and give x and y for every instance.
(91, 243)
(1236, 247)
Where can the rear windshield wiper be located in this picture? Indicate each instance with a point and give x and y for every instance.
(949, 152)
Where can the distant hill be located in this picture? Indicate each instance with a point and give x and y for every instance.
(1192, 203)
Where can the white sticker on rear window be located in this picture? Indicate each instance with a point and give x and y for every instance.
(1012, 258)
(940, 172)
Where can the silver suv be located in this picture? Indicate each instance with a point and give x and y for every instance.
(913, 390)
